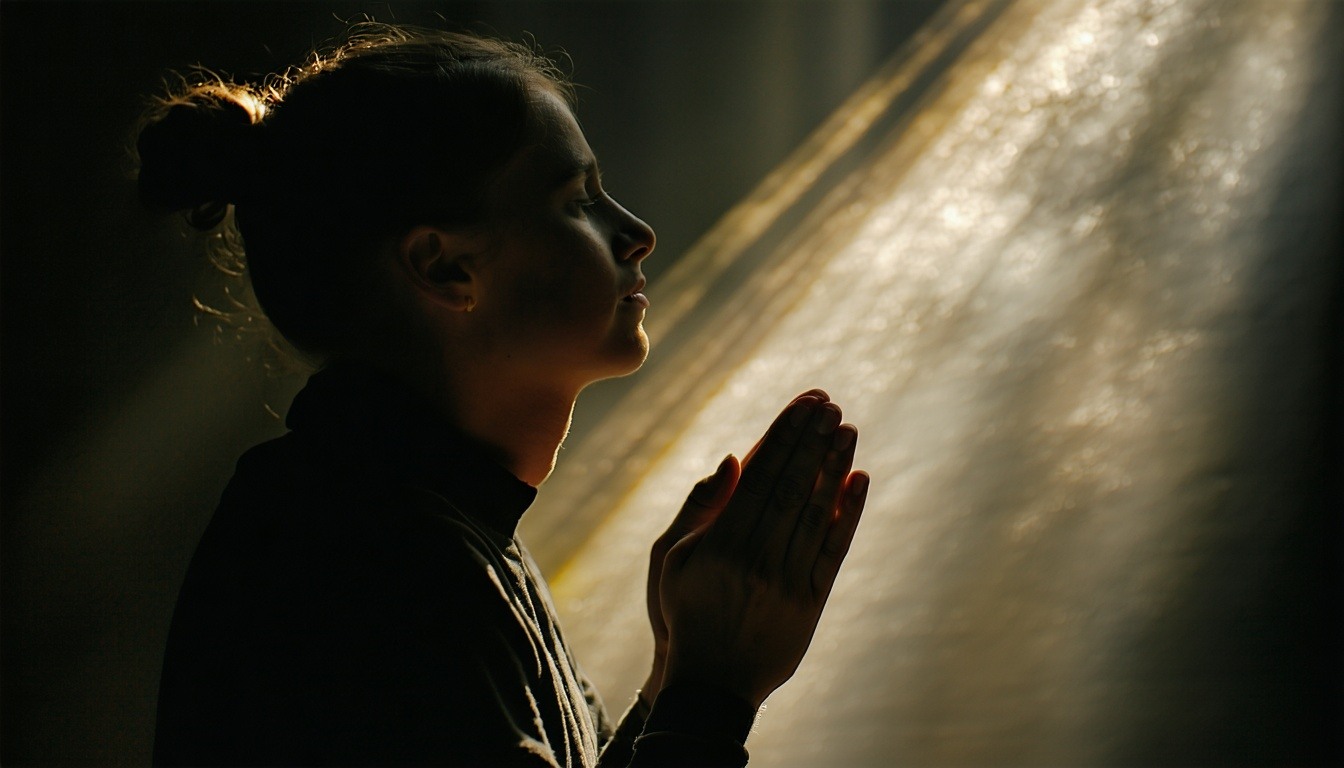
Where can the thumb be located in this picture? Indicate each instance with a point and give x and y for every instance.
(681, 551)
(709, 496)
(714, 491)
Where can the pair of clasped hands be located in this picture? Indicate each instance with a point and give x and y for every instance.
(738, 581)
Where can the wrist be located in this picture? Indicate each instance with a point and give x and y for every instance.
(701, 712)
(728, 681)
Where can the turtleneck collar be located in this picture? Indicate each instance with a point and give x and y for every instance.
(366, 417)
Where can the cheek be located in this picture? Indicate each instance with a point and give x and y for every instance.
(565, 297)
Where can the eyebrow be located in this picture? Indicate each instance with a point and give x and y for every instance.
(574, 169)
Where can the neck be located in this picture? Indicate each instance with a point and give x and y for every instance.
(521, 427)
(518, 424)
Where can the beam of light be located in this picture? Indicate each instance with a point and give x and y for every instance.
(1036, 290)
(101, 537)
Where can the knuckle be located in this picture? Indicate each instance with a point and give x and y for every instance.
(814, 515)
(835, 463)
(660, 548)
(756, 484)
(790, 491)
(701, 494)
(834, 547)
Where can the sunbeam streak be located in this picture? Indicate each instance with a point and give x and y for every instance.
(1038, 293)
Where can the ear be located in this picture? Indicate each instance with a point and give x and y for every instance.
(441, 265)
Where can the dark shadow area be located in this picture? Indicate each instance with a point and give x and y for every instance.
(121, 418)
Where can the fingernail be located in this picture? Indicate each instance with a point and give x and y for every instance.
(858, 487)
(844, 439)
(830, 419)
(799, 413)
(723, 465)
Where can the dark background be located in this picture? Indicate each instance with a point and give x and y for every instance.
(122, 416)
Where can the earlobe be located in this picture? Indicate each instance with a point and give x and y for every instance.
(441, 266)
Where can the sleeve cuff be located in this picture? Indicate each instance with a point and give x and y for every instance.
(701, 711)
(695, 724)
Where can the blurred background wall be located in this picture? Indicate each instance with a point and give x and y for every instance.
(122, 415)
(1081, 297)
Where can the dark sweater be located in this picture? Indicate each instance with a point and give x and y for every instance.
(360, 598)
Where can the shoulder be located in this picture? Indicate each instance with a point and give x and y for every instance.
(295, 527)
(308, 568)
(337, 599)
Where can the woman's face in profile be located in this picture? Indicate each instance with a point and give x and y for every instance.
(567, 259)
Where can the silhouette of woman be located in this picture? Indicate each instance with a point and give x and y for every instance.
(422, 214)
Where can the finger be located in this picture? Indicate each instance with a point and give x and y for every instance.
(836, 545)
(818, 394)
(707, 498)
(814, 522)
(793, 488)
(757, 481)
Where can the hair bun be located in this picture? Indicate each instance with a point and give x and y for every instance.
(201, 152)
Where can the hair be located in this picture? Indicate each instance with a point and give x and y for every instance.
(391, 128)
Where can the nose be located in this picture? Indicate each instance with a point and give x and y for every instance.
(635, 239)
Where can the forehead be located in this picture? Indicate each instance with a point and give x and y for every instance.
(554, 153)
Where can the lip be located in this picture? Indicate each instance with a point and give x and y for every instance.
(635, 295)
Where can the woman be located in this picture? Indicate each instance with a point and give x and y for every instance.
(423, 215)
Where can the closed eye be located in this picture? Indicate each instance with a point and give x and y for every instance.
(590, 201)
(582, 181)
(583, 205)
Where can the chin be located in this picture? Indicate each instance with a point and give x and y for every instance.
(628, 356)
